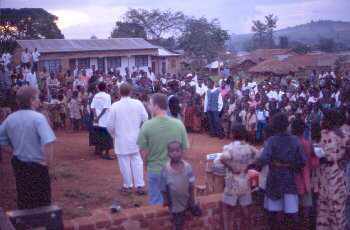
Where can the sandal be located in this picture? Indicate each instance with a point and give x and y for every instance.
(140, 191)
(125, 191)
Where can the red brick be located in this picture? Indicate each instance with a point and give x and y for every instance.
(118, 221)
(115, 227)
(137, 216)
(144, 224)
(85, 223)
(69, 225)
(161, 213)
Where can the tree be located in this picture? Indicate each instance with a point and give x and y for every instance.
(263, 32)
(26, 23)
(202, 38)
(168, 43)
(155, 22)
(271, 24)
(326, 44)
(259, 28)
(284, 42)
(300, 47)
(128, 29)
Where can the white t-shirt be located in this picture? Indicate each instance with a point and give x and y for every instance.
(25, 57)
(151, 76)
(35, 56)
(77, 82)
(89, 72)
(273, 95)
(6, 58)
(32, 80)
(312, 99)
(125, 119)
(102, 101)
(262, 115)
(201, 90)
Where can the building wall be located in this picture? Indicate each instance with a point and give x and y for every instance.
(172, 64)
(64, 57)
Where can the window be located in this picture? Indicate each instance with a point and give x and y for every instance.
(101, 64)
(114, 62)
(52, 65)
(173, 63)
(141, 61)
(72, 63)
(84, 63)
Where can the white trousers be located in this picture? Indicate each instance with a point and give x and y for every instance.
(131, 168)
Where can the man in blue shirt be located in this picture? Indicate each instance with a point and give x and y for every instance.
(30, 136)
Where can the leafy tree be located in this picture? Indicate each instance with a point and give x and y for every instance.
(271, 24)
(128, 29)
(156, 23)
(300, 47)
(326, 44)
(284, 42)
(263, 32)
(26, 23)
(202, 38)
(259, 28)
(168, 43)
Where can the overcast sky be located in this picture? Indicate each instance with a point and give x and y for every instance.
(83, 18)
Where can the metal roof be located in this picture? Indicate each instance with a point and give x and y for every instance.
(80, 45)
(162, 52)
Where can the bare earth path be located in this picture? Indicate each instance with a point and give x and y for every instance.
(84, 181)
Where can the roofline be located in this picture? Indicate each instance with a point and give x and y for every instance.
(19, 41)
(84, 51)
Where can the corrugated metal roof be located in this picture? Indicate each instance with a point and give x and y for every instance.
(79, 45)
(162, 52)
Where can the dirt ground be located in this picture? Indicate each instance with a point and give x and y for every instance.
(85, 182)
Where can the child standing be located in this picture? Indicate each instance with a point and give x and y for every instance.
(236, 158)
(177, 185)
(262, 116)
(74, 111)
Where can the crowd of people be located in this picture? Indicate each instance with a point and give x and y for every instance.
(303, 124)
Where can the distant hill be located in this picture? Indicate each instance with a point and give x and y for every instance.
(309, 34)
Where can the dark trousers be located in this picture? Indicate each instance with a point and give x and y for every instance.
(35, 66)
(178, 220)
(261, 125)
(32, 184)
(214, 123)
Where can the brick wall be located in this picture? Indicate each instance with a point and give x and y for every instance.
(158, 218)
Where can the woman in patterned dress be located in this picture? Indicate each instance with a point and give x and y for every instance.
(330, 176)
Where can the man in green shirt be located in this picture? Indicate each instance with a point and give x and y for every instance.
(153, 140)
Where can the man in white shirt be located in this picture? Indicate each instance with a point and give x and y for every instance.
(100, 105)
(32, 79)
(25, 58)
(151, 75)
(201, 88)
(35, 58)
(213, 105)
(125, 119)
(6, 58)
